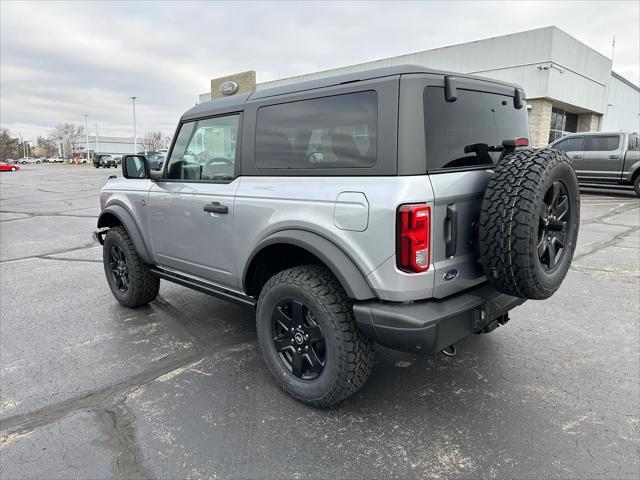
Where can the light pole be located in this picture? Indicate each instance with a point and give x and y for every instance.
(96, 152)
(86, 133)
(135, 135)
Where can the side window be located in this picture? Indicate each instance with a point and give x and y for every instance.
(603, 143)
(330, 132)
(205, 150)
(572, 144)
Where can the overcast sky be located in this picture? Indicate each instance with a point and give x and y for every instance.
(61, 60)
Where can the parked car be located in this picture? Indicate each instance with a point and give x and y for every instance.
(25, 160)
(56, 159)
(608, 158)
(8, 167)
(105, 161)
(396, 205)
(10, 161)
(156, 160)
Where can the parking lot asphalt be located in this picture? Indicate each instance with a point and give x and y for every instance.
(178, 389)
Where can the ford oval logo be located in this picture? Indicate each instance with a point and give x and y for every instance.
(229, 88)
(450, 274)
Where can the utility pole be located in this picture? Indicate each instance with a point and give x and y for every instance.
(135, 135)
(86, 133)
(96, 152)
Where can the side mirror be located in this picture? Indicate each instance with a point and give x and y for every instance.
(135, 166)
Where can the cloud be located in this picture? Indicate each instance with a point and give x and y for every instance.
(61, 60)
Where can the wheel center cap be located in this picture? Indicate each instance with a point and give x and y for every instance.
(298, 338)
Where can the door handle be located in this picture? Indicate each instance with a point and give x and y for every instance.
(216, 207)
(577, 157)
(451, 221)
(613, 157)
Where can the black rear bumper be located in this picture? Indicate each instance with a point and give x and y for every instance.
(430, 326)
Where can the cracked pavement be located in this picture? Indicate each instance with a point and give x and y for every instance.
(178, 389)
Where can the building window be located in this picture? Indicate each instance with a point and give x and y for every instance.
(562, 122)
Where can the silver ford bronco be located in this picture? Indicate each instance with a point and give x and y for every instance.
(399, 206)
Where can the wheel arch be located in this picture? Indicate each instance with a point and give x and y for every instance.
(289, 248)
(117, 215)
(635, 171)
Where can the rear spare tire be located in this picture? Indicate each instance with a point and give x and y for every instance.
(529, 223)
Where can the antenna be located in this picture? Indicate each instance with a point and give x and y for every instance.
(613, 49)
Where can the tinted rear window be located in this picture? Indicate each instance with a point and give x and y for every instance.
(330, 132)
(603, 143)
(475, 117)
(572, 144)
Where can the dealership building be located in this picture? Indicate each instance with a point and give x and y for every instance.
(569, 86)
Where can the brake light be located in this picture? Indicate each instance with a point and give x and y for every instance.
(414, 238)
(522, 142)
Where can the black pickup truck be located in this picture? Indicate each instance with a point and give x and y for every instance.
(609, 158)
(105, 161)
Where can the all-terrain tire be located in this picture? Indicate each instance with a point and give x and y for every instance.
(348, 352)
(636, 185)
(143, 286)
(515, 219)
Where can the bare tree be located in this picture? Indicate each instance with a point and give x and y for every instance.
(166, 141)
(69, 134)
(152, 141)
(9, 147)
(46, 146)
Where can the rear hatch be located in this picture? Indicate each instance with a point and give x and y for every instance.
(480, 113)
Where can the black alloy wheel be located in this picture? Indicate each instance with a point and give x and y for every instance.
(119, 268)
(298, 339)
(554, 217)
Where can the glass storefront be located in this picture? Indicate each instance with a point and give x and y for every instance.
(562, 122)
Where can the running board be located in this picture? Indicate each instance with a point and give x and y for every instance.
(205, 287)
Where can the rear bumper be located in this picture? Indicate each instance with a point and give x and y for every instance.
(430, 326)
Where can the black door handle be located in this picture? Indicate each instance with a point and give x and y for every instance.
(216, 207)
(613, 157)
(451, 221)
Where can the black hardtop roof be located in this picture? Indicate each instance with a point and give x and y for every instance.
(236, 102)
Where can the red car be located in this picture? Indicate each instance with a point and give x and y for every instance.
(7, 167)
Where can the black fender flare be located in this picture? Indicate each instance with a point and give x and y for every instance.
(634, 171)
(341, 265)
(125, 218)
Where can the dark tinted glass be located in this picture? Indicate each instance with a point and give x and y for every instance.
(603, 143)
(330, 132)
(571, 122)
(475, 117)
(572, 144)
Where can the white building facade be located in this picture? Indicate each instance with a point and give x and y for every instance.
(569, 86)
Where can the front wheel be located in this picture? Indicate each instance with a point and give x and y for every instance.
(636, 185)
(129, 277)
(309, 338)
(13, 169)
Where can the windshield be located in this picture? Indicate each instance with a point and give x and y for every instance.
(475, 117)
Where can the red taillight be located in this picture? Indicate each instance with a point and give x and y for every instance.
(414, 241)
(522, 142)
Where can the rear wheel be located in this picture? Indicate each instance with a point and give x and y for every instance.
(129, 277)
(636, 185)
(13, 169)
(309, 338)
